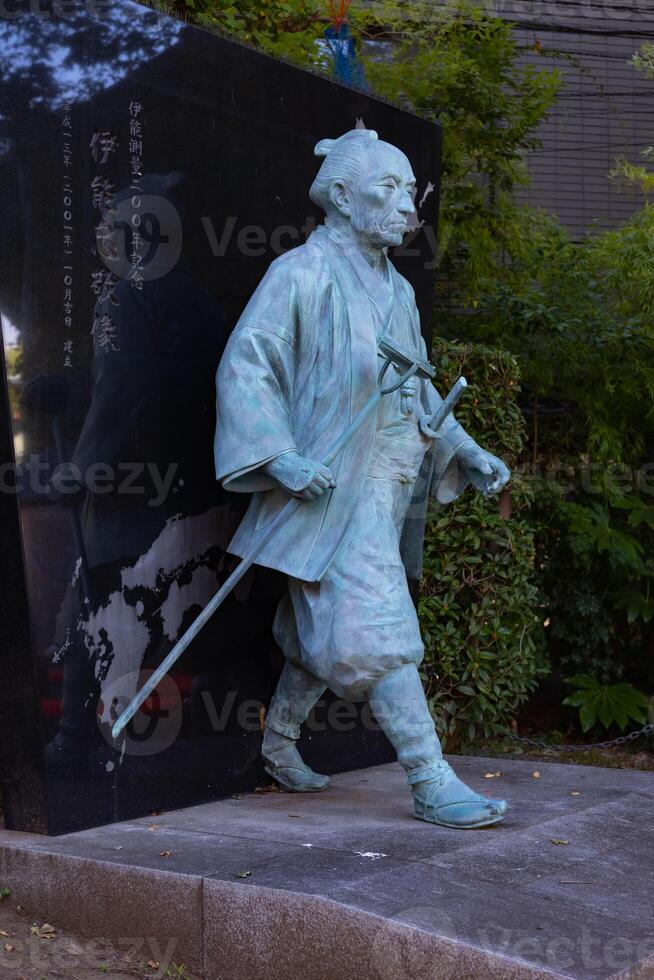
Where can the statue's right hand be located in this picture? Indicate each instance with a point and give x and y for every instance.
(301, 476)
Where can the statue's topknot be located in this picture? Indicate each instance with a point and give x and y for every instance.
(342, 160)
(325, 147)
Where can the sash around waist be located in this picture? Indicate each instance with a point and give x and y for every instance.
(398, 456)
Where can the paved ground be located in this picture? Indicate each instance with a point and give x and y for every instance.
(346, 884)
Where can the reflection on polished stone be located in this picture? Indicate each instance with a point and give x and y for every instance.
(149, 174)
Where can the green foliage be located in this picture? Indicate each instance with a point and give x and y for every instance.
(579, 320)
(286, 28)
(176, 971)
(479, 604)
(594, 569)
(14, 358)
(613, 704)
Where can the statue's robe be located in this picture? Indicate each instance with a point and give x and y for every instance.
(301, 362)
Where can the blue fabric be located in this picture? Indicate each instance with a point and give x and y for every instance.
(346, 65)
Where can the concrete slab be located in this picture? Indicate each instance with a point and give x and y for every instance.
(347, 884)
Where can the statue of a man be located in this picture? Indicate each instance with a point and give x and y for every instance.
(299, 365)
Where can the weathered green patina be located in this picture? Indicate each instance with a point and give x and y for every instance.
(300, 366)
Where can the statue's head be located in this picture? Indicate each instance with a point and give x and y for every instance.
(367, 182)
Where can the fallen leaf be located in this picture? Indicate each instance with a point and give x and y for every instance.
(46, 931)
(9, 948)
(157, 813)
(295, 814)
(5, 893)
(575, 792)
(262, 718)
(243, 874)
(237, 796)
(153, 964)
(536, 774)
(153, 826)
(5, 935)
(165, 854)
(21, 910)
(559, 843)
(492, 775)
(273, 788)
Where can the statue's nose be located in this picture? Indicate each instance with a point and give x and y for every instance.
(406, 205)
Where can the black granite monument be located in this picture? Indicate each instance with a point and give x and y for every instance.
(149, 173)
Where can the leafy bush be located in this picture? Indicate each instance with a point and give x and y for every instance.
(609, 704)
(595, 561)
(479, 605)
(578, 318)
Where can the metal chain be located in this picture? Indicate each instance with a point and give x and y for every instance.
(621, 740)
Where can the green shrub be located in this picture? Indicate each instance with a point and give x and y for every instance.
(578, 318)
(479, 607)
(609, 704)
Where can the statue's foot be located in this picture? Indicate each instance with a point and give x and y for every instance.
(447, 801)
(284, 763)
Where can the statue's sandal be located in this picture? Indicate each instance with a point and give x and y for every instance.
(291, 773)
(441, 798)
(470, 814)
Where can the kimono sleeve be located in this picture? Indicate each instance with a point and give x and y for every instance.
(254, 386)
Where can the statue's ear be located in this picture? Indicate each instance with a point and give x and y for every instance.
(341, 197)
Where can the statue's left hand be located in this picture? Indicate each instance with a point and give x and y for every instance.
(486, 472)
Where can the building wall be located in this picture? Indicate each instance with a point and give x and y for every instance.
(604, 111)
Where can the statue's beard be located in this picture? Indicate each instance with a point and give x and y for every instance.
(386, 229)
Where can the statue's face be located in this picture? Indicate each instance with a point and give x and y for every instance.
(382, 201)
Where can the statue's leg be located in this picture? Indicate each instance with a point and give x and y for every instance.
(297, 692)
(399, 704)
